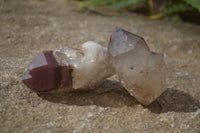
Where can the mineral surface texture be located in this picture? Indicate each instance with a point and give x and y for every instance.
(142, 71)
(90, 65)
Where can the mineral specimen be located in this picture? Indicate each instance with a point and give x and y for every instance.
(69, 68)
(142, 71)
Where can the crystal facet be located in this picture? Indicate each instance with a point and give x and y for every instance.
(142, 71)
(44, 73)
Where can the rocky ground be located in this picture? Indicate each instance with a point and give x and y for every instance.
(28, 27)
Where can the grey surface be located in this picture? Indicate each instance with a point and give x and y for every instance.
(29, 27)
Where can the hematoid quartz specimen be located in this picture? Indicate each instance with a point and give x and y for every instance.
(142, 72)
(69, 68)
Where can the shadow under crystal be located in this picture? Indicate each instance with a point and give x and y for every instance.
(113, 94)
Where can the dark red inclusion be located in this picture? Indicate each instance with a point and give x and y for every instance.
(45, 74)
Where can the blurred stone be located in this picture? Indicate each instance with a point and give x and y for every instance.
(142, 71)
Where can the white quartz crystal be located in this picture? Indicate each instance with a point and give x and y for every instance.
(141, 71)
(90, 65)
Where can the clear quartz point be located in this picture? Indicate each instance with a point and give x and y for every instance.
(141, 71)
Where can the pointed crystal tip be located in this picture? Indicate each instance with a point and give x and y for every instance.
(123, 41)
(43, 73)
(142, 71)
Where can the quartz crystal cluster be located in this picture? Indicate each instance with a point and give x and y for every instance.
(141, 71)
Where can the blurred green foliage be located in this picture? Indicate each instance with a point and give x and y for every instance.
(178, 6)
(116, 4)
(170, 7)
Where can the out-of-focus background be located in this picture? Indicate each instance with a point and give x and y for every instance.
(28, 27)
(175, 10)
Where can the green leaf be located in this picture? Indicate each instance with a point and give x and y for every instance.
(125, 3)
(95, 3)
(194, 3)
(172, 10)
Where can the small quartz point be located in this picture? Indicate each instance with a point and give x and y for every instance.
(44, 73)
(141, 71)
(90, 65)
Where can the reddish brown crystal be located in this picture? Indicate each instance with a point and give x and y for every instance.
(45, 74)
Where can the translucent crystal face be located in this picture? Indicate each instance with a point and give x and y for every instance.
(123, 41)
(39, 61)
(142, 71)
(71, 53)
(90, 64)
